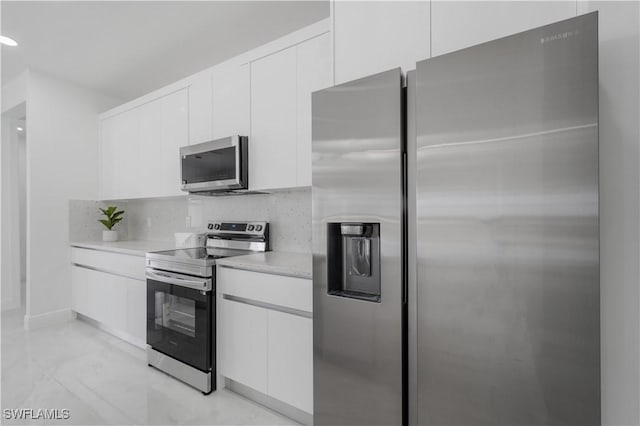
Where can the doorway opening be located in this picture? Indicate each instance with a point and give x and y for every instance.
(14, 208)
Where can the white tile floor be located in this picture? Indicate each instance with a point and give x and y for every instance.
(103, 380)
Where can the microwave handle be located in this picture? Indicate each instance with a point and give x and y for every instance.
(197, 284)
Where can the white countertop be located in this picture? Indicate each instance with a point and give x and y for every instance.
(133, 247)
(272, 262)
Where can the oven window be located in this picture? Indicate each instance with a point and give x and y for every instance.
(219, 164)
(176, 313)
(180, 323)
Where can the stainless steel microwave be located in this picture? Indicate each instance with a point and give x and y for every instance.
(219, 165)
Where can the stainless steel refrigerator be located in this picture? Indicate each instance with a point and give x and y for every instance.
(456, 239)
(357, 252)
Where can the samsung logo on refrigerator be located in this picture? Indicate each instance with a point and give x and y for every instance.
(559, 36)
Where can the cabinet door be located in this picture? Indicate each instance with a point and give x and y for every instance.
(127, 154)
(315, 72)
(107, 299)
(375, 36)
(457, 25)
(79, 283)
(150, 134)
(290, 355)
(174, 126)
(95, 295)
(200, 109)
(230, 101)
(120, 155)
(272, 146)
(244, 344)
(136, 309)
(108, 160)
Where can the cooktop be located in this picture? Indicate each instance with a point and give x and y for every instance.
(197, 254)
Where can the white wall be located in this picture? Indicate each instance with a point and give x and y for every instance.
(62, 159)
(14, 92)
(619, 210)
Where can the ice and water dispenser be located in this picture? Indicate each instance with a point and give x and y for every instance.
(353, 260)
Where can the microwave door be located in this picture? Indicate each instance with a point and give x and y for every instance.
(215, 165)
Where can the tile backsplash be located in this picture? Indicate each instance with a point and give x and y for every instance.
(288, 214)
(83, 220)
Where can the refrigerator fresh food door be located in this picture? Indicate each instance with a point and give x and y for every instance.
(357, 243)
(507, 221)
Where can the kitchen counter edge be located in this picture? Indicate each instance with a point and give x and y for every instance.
(297, 265)
(130, 247)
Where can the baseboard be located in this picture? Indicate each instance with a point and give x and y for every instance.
(283, 408)
(32, 322)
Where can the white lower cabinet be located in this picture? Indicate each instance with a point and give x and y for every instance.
(290, 359)
(137, 309)
(244, 344)
(117, 302)
(266, 334)
(79, 288)
(107, 298)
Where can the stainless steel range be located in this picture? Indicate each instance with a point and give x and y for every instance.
(181, 303)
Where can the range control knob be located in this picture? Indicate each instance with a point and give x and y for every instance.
(216, 226)
(250, 228)
(258, 228)
(210, 226)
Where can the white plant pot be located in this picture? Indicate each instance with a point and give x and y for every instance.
(109, 235)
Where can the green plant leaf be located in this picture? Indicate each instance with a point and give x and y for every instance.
(108, 224)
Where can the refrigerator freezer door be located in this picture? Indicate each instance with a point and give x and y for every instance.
(357, 292)
(507, 222)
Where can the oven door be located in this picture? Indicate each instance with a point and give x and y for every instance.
(180, 321)
(215, 166)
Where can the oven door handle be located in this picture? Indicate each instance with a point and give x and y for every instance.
(203, 284)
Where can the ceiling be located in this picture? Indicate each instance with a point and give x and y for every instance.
(128, 48)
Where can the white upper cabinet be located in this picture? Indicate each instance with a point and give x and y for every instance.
(140, 148)
(372, 36)
(174, 127)
(272, 143)
(119, 154)
(264, 94)
(456, 25)
(108, 158)
(281, 87)
(149, 136)
(315, 72)
(200, 109)
(231, 101)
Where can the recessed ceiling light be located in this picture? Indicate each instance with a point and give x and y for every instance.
(20, 129)
(8, 41)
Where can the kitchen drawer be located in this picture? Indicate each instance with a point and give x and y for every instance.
(123, 264)
(280, 290)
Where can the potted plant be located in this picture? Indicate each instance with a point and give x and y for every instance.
(113, 216)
